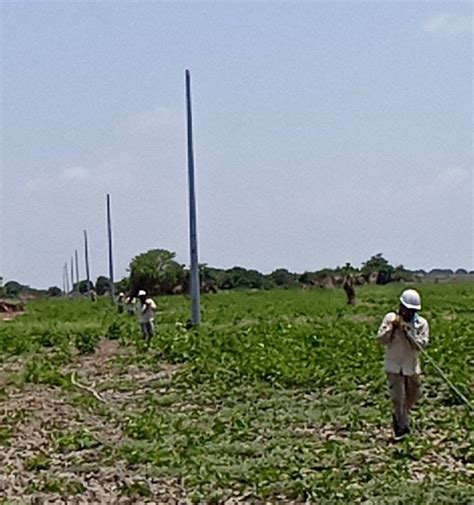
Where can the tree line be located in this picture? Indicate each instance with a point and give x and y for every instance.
(158, 272)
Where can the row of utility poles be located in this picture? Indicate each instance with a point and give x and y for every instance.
(70, 284)
(75, 285)
(194, 264)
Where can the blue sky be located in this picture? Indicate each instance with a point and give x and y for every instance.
(325, 132)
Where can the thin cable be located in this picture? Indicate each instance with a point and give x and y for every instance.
(443, 375)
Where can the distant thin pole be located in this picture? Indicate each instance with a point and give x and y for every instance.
(72, 275)
(86, 259)
(64, 283)
(195, 295)
(76, 258)
(111, 256)
(66, 276)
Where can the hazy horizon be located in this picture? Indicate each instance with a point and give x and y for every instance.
(324, 133)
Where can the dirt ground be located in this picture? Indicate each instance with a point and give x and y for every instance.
(38, 463)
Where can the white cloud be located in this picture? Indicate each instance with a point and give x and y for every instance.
(449, 24)
(106, 176)
(452, 179)
(75, 174)
(69, 174)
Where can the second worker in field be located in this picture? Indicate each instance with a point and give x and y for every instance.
(146, 316)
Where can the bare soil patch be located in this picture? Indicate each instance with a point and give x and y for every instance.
(54, 450)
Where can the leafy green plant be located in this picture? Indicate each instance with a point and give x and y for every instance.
(58, 485)
(37, 462)
(136, 488)
(86, 341)
(5, 434)
(50, 337)
(71, 441)
(116, 330)
(41, 370)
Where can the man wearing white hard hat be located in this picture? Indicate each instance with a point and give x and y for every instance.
(404, 334)
(121, 302)
(146, 315)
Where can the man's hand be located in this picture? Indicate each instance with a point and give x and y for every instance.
(396, 323)
(407, 333)
(413, 344)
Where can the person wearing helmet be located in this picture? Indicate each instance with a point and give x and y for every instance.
(404, 334)
(121, 302)
(146, 315)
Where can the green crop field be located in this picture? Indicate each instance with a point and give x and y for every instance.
(279, 397)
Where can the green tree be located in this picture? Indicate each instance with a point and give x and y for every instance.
(282, 277)
(346, 269)
(122, 285)
(102, 285)
(378, 264)
(306, 278)
(209, 278)
(82, 286)
(238, 277)
(54, 291)
(13, 288)
(209, 274)
(156, 271)
(400, 273)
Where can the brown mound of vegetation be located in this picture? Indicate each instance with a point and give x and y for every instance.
(10, 309)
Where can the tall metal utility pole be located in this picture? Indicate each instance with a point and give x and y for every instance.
(195, 295)
(77, 267)
(66, 276)
(111, 256)
(72, 275)
(86, 259)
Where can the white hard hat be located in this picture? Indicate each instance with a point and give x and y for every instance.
(411, 299)
(142, 292)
